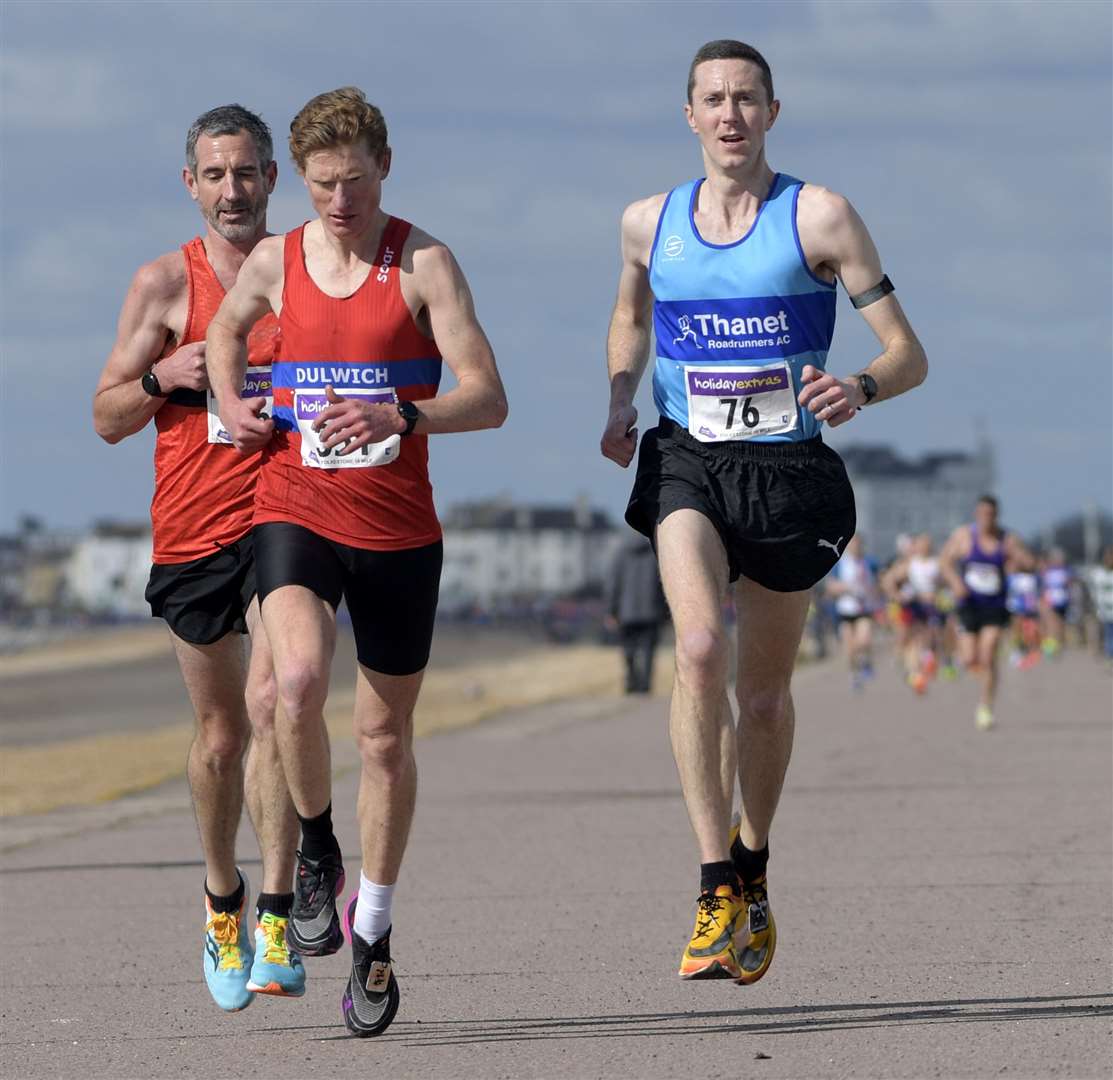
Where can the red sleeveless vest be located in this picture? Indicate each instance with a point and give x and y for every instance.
(364, 343)
(204, 492)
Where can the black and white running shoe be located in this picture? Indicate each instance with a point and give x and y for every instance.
(371, 998)
(314, 928)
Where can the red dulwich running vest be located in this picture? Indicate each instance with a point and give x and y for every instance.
(365, 345)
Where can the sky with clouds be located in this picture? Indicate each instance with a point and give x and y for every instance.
(974, 139)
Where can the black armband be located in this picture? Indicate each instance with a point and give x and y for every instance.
(871, 296)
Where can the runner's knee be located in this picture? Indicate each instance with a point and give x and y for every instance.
(384, 749)
(261, 695)
(302, 688)
(701, 656)
(763, 706)
(221, 739)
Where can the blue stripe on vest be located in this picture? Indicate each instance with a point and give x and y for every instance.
(751, 328)
(365, 374)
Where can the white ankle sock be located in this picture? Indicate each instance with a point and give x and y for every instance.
(372, 918)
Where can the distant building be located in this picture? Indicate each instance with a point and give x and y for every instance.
(32, 573)
(498, 553)
(932, 494)
(107, 573)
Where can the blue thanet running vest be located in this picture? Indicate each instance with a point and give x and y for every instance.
(753, 304)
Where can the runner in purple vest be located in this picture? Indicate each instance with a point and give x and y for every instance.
(975, 562)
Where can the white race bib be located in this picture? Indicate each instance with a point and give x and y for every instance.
(309, 404)
(729, 403)
(256, 384)
(982, 578)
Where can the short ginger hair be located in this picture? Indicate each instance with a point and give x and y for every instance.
(337, 118)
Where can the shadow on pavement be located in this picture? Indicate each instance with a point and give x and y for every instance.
(179, 864)
(784, 1020)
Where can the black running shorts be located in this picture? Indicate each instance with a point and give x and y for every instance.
(974, 617)
(784, 511)
(207, 598)
(391, 595)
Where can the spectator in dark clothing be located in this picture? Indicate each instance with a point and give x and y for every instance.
(636, 606)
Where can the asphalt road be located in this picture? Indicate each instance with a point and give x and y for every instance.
(943, 899)
(146, 691)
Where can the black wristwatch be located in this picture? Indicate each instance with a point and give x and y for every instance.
(868, 385)
(408, 411)
(151, 384)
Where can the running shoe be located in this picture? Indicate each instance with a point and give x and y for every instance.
(227, 958)
(755, 940)
(710, 954)
(370, 1000)
(919, 682)
(314, 928)
(983, 718)
(277, 969)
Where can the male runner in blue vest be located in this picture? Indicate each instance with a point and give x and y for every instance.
(735, 485)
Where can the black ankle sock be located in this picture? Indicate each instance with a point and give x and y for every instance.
(317, 839)
(229, 904)
(276, 903)
(714, 874)
(749, 865)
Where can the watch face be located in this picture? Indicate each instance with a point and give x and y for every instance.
(151, 385)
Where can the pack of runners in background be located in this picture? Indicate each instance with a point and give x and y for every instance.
(982, 594)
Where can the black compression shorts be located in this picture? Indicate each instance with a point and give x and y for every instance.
(391, 595)
(205, 599)
(784, 511)
(974, 617)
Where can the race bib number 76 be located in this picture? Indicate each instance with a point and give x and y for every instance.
(730, 403)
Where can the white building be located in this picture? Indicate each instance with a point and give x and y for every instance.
(108, 571)
(498, 553)
(933, 494)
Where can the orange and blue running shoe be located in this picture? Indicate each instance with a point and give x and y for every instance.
(755, 940)
(227, 957)
(277, 969)
(710, 954)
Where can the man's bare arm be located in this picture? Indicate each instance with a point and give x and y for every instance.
(437, 289)
(894, 578)
(955, 549)
(258, 289)
(121, 406)
(836, 238)
(629, 334)
(1018, 554)
(478, 400)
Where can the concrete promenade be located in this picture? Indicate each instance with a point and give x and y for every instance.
(943, 899)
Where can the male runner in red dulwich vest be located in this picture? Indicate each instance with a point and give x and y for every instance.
(203, 578)
(367, 306)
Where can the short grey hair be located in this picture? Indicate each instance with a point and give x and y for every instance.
(229, 120)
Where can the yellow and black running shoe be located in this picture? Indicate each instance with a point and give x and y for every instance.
(710, 954)
(755, 939)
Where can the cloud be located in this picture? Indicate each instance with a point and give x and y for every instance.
(44, 89)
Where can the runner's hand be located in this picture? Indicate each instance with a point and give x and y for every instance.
(834, 401)
(620, 436)
(183, 369)
(244, 422)
(356, 423)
